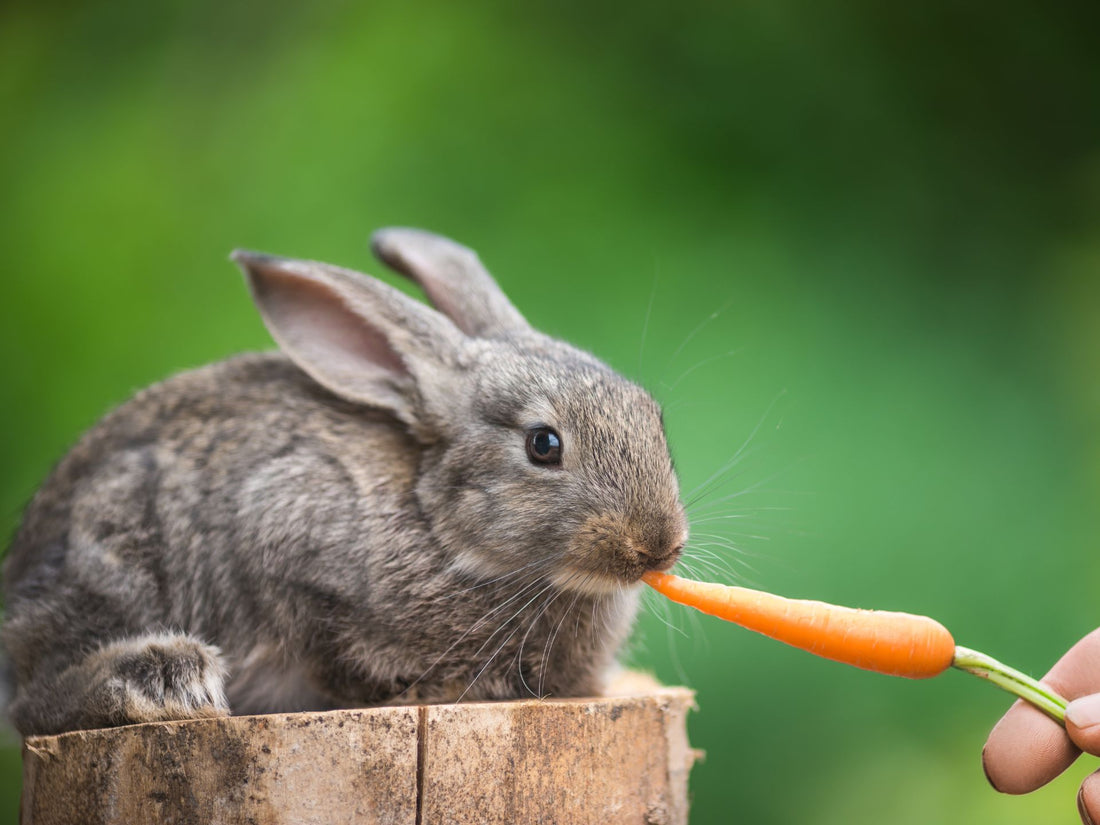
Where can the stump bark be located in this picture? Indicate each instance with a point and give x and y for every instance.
(610, 760)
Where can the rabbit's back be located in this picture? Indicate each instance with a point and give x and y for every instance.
(196, 505)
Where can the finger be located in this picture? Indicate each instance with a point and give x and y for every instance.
(1078, 672)
(1083, 722)
(1088, 799)
(1027, 749)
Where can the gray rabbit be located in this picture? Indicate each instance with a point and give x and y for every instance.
(406, 504)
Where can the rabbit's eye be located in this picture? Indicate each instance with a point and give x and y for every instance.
(543, 446)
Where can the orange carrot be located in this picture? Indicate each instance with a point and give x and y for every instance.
(898, 644)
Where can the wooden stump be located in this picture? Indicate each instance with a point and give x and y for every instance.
(611, 760)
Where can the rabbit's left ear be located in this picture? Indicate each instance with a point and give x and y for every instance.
(358, 337)
(455, 280)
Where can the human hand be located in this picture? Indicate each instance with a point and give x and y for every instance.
(1027, 749)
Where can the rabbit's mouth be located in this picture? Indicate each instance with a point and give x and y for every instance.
(608, 554)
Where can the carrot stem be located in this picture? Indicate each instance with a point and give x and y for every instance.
(1012, 680)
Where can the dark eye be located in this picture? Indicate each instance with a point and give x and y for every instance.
(544, 446)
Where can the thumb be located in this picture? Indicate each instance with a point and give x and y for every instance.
(1083, 722)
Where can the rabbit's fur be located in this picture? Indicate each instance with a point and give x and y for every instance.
(353, 521)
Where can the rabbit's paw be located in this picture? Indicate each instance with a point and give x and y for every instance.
(165, 677)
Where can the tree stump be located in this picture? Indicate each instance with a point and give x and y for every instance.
(611, 760)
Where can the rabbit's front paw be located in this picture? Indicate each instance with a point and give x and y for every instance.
(165, 677)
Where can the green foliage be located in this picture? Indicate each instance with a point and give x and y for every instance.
(895, 207)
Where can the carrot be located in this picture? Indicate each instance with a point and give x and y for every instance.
(898, 644)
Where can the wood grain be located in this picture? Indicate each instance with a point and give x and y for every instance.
(622, 759)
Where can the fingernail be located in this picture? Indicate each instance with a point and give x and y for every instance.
(1085, 818)
(1084, 712)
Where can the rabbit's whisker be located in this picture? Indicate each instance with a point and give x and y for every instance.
(548, 587)
(710, 513)
(751, 488)
(698, 365)
(714, 566)
(698, 328)
(703, 543)
(703, 489)
(530, 627)
(720, 477)
(541, 563)
(534, 582)
(550, 641)
(507, 638)
(660, 609)
(645, 323)
(703, 549)
(549, 647)
(561, 588)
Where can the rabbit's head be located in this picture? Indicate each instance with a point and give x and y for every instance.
(534, 456)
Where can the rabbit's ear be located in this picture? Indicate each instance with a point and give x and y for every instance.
(455, 280)
(356, 336)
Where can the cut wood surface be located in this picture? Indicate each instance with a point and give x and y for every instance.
(622, 759)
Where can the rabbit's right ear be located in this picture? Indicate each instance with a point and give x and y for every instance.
(455, 280)
(358, 337)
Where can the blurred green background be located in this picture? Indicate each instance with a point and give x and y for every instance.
(862, 240)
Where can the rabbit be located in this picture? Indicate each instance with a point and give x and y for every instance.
(400, 505)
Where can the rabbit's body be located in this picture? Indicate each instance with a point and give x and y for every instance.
(242, 537)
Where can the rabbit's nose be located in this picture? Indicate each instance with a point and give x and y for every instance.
(663, 543)
(660, 557)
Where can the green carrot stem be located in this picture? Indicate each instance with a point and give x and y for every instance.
(1012, 680)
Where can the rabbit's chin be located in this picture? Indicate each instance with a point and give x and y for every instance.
(592, 584)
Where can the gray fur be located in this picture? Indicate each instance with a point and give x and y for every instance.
(353, 521)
